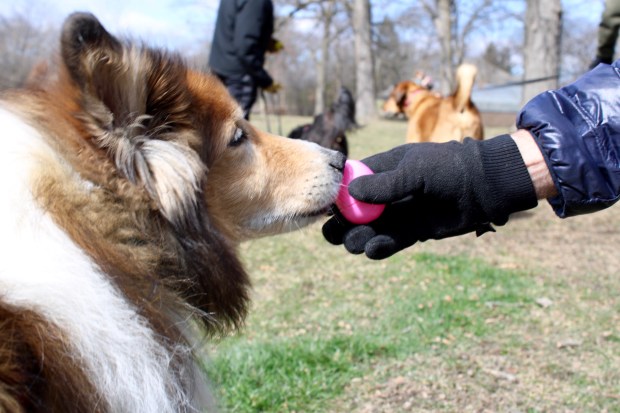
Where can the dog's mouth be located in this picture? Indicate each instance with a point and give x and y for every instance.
(318, 212)
(285, 222)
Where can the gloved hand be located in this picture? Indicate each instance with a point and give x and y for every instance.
(273, 88)
(434, 191)
(274, 45)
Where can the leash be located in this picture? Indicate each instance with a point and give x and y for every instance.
(266, 110)
(276, 111)
(520, 82)
(276, 97)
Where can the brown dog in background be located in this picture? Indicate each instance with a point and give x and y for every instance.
(433, 118)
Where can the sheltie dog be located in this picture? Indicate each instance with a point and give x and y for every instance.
(435, 118)
(128, 181)
(329, 128)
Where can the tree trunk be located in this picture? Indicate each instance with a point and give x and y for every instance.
(542, 46)
(366, 107)
(322, 61)
(443, 25)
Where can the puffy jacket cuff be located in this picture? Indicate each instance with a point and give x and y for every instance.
(576, 129)
(507, 178)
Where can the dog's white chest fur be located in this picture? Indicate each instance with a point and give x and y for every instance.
(42, 269)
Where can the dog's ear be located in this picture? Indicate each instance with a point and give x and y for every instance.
(135, 105)
(86, 46)
(95, 65)
(400, 94)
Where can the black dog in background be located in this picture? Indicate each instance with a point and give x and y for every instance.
(328, 128)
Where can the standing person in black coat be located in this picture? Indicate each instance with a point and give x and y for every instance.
(242, 36)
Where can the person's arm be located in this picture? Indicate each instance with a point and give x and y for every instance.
(577, 129)
(440, 190)
(566, 150)
(437, 190)
(535, 163)
(253, 30)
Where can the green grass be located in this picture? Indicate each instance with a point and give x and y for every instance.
(328, 330)
(324, 317)
(369, 139)
(297, 374)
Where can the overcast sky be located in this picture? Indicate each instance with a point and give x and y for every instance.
(177, 24)
(188, 24)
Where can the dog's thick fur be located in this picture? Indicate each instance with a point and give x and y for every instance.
(433, 118)
(127, 182)
(329, 128)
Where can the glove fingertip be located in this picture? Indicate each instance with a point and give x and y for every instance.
(356, 238)
(364, 189)
(333, 231)
(381, 247)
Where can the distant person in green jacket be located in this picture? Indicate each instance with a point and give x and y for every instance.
(607, 33)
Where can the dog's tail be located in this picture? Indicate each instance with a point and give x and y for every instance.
(465, 77)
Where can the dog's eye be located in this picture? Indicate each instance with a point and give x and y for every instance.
(238, 137)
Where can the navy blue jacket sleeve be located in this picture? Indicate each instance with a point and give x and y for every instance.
(577, 129)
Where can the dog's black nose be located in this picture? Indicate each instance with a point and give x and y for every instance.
(337, 160)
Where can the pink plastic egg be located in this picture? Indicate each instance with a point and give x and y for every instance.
(356, 212)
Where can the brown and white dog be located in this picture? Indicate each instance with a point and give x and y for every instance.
(127, 182)
(433, 118)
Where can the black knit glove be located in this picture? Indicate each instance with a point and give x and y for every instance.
(434, 191)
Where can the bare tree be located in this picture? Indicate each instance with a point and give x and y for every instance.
(455, 23)
(22, 46)
(392, 57)
(444, 18)
(331, 20)
(366, 107)
(542, 46)
(578, 46)
(295, 69)
(318, 60)
(328, 13)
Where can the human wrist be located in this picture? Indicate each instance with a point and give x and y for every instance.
(535, 162)
(509, 187)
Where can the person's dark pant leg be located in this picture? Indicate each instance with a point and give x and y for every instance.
(608, 31)
(244, 91)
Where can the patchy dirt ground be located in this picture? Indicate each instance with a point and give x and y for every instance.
(564, 358)
(586, 244)
(565, 355)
